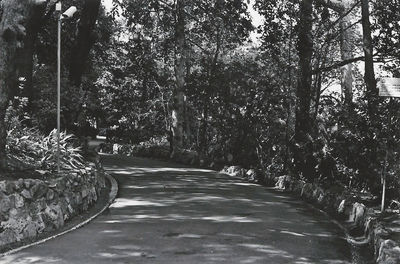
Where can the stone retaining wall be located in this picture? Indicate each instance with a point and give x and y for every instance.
(29, 207)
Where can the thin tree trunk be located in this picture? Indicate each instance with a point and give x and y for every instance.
(303, 140)
(318, 80)
(203, 132)
(291, 108)
(25, 56)
(85, 40)
(178, 92)
(369, 170)
(187, 109)
(346, 51)
(369, 76)
(188, 132)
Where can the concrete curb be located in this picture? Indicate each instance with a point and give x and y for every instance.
(112, 195)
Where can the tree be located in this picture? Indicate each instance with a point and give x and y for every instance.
(218, 29)
(25, 62)
(178, 92)
(13, 23)
(79, 52)
(369, 75)
(346, 51)
(303, 153)
(84, 40)
(203, 30)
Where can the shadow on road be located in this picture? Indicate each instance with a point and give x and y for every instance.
(167, 213)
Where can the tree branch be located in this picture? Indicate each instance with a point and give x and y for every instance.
(345, 62)
(337, 65)
(342, 15)
(335, 5)
(197, 45)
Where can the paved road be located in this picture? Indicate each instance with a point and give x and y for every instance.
(172, 214)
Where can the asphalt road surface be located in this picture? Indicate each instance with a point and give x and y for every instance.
(167, 213)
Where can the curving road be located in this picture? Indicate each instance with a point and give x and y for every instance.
(167, 213)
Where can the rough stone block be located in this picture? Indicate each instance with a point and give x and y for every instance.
(28, 183)
(8, 236)
(234, 171)
(116, 148)
(3, 186)
(389, 252)
(7, 187)
(283, 182)
(64, 206)
(347, 208)
(10, 187)
(85, 193)
(30, 230)
(224, 169)
(26, 194)
(5, 203)
(55, 214)
(78, 199)
(19, 184)
(358, 214)
(39, 190)
(251, 175)
(40, 223)
(70, 209)
(85, 205)
(40, 205)
(19, 201)
(17, 224)
(50, 195)
(12, 213)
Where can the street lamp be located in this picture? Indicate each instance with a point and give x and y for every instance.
(67, 14)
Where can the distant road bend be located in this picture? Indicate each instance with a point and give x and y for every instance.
(167, 213)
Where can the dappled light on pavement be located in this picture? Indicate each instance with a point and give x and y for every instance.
(167, 213)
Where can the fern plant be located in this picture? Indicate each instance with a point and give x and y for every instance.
(30, 147)
(70, 157)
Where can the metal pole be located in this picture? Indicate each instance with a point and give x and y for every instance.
(58, 91)
(384, 180)
(385, 166)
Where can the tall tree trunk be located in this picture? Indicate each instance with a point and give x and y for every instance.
(346, 51)
(370, 166)
(187, 131)
(13, 21)
(178, 92)
(290, 106)
(369, 76)
(211, 77)
(303, 141)
(25, 55)
(188, 137)
(85, 40)
(203, 139)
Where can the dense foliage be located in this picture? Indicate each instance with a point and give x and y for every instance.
(29, 148)
(241, 100)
